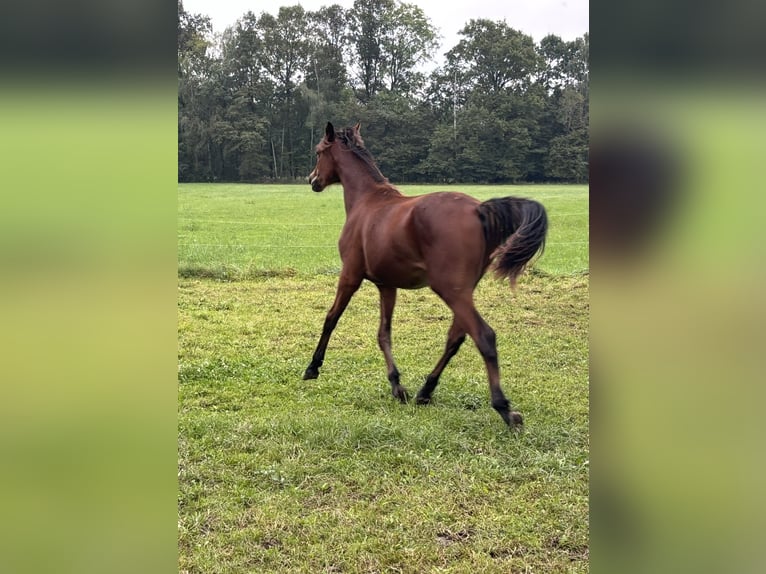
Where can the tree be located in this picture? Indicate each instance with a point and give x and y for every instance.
(566, 81)
(488, 86)
(399, 130)
(328, 41)
(193, 105)
(326, 77)
(495, 57)
(409, 40)
(240, 129)
(193, 30)
(566, 63)
(368, 23)
(253, 101)
(388, 41)
(283, 56)
(284, 48)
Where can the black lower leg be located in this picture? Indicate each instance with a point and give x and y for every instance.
(453, 345)
(425, 392)
(503, 408)
(397, 390)
(347, 286)
(488, 348)
(312, 371)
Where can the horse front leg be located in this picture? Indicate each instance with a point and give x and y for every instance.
(387, 302)
(347, 286)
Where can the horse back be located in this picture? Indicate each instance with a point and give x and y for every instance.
(410, 241)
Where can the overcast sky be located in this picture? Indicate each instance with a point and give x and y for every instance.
(537, 18)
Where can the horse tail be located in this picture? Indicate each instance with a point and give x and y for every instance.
(514, 231)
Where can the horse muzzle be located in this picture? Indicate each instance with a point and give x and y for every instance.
(316, 185)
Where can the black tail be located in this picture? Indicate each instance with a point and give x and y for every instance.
(515, 230)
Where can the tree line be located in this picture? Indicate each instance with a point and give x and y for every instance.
(253, 101)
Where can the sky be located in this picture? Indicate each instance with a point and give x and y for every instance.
(537, 18)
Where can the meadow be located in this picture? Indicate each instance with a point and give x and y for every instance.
(245, 231)
(277, 474)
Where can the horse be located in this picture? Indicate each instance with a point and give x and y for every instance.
(443, 240)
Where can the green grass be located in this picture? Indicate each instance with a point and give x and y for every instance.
(333, 475)
(248, 231)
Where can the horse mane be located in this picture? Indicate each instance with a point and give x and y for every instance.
(355, 144)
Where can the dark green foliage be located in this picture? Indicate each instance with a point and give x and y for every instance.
(253, 101)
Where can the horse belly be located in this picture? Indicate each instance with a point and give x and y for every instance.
(392, 250)
(399, 270)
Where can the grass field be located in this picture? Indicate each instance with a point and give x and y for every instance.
(333, 475)
(246, 231)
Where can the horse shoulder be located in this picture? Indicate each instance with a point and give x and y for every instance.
(349, 242)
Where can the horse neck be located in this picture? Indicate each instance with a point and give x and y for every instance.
(358, 182)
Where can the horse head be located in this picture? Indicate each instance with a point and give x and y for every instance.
(325, 171)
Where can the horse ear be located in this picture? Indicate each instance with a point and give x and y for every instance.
(329, 132)
(358, 127)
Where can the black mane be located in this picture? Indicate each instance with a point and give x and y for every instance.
(355, 145)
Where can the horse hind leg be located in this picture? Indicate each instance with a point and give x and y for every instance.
(387, 302)
(455, 338)
(484, 337)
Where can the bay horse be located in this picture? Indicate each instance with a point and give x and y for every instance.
(443, 240)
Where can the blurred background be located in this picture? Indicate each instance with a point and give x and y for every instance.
(677, 255)
(87, 287)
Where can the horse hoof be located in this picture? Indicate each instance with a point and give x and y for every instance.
(310, 374)
(401, 394)
(516, 420)
(423, 400)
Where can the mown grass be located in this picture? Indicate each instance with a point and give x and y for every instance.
(249, 231)
(333, 475)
